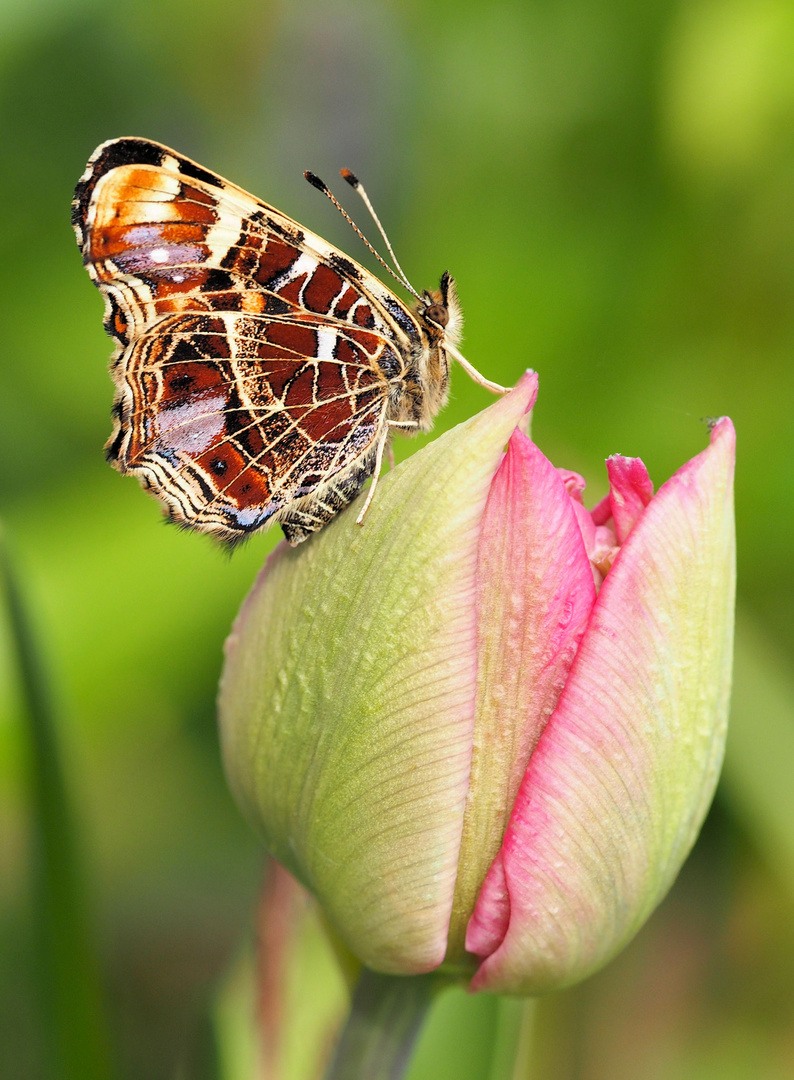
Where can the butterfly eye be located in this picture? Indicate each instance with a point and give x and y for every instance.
(437, 313)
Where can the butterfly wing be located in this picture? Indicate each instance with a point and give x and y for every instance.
(253, 359)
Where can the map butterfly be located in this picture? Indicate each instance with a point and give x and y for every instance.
(259, 371)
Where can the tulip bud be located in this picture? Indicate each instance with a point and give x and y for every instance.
(485, 728)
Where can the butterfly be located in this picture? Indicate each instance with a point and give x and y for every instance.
(259, 371)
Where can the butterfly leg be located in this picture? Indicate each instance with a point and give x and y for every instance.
(383, 443)
(375, 473)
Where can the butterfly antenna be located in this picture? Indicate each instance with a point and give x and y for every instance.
(315, 181)
(356, 184)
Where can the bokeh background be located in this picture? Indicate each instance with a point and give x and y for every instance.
(612, 185)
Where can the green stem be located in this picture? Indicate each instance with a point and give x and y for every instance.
(386, 1015)
(512, 1058)
(75, 1034)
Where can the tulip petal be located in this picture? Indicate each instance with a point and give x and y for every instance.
(365, 639)
(625, 770)
(630, 491)
(535, 591)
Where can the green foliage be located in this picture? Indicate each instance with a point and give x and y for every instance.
(76, 1045)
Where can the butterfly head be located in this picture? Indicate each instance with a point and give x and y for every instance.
(439, 312)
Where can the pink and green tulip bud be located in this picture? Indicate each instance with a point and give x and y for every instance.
(485, 728)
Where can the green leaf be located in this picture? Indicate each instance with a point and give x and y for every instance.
(76, 1034)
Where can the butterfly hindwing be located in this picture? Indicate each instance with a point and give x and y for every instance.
(228, 427)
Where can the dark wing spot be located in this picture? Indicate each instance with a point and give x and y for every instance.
(217, 281)
(402, 317)
(196, 171)
(345, 267)
(181, 384)
(128, 152)
(186, 349)
(288, 232)
(113, 447)
(274, 305)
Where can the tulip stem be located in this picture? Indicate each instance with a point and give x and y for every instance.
(385, 1017)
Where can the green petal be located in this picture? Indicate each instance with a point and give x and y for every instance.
(347, 699)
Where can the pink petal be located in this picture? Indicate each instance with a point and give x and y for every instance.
(586, 526)
(621, 779)
(600, 542)
(574, 483)
(602, 511)
(534, 597)
(491, 918)
(630, 491)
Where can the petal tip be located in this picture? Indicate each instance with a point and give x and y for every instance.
(722, 428)
(527, 386)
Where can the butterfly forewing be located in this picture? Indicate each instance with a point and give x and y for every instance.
(253, 361)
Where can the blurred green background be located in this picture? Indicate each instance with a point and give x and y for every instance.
(612, 185)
